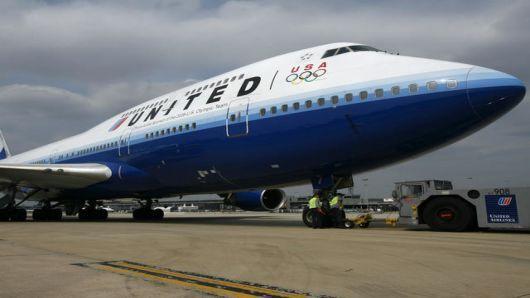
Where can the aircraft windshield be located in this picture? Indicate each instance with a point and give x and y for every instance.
(349, 49)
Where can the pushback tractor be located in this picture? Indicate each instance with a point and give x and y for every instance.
(436, 204)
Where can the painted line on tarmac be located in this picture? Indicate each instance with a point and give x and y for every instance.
(204, 283)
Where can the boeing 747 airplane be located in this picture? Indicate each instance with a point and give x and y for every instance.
(316, 115)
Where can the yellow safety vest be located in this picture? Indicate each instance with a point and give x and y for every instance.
(334, 202)
(313, 203)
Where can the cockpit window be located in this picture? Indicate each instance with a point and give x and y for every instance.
(363, 49)
(343, 50)
(357, 48)
(329, 53)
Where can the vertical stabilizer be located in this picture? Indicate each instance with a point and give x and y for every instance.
(4, 150)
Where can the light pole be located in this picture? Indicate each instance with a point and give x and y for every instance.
(365, 186)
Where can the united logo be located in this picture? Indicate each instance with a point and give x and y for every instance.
(504, 201)
(118, 124)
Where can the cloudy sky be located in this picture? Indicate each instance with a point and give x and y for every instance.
(67, 65)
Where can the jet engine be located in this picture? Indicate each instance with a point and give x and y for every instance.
(258, 200)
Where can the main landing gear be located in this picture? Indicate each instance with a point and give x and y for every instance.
(145, 212)
(11, 212)
(91, 212)
(48, 212)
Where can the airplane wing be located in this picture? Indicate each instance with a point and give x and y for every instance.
(60, 176)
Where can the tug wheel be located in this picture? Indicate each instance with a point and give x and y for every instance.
(307, 217)
(448, 214)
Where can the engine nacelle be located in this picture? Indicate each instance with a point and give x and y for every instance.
(259, 200)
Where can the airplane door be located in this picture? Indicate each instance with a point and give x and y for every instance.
(54, 156)
(237, 118)
(123, 144)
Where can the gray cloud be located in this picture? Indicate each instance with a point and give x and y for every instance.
(71, 64)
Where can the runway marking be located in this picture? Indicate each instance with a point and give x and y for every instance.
(204, 283)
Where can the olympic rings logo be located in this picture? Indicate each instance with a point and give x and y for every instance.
(307, 76)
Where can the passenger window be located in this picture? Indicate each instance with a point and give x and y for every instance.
(212, 84)
(180, 128)
(233, 79)
(343, 50)
(225, 81)
(233, 117)
(329, 53)
(451, 84)
(241, 76)
(194, 125)
(379, 93)
(162, 132)
(174, 129)
(187, 127)
(335, 99)
(200, 88)
(262, 112)
(308, 104)
(205, 87)
(321, 101)
(296, 105)
(395, 90)
(284, 108)
(147, 136)
(363, 95)
(218, 83)
(413, 88)
(273, 110)
(156, 134)
(349, 97)
(168, 131)
(432, 85)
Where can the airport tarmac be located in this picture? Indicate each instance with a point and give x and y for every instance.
(123, 258)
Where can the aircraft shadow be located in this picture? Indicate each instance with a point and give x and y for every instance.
(263, 221)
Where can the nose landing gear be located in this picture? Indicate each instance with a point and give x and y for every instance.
(145, 212)
(91, 212)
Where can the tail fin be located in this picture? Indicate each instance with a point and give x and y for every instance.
(4, 150)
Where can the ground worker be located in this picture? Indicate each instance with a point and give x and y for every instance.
(336, 210)
(316, 216)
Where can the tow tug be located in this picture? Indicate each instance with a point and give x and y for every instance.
(436, 204)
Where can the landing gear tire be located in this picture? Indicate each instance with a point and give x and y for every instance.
(148, 214)
(93, 214)
(19, 215)
(4, 214)
(449, 215)
(307, 217)
(13, 214)
(55, 214)
(158, 214)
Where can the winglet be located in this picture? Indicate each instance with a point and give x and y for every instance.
(4, 149)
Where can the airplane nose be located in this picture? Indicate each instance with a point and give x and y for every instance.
(492, 93)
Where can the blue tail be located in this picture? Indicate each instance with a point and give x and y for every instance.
(4, 150)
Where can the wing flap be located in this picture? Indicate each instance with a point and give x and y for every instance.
(60, 176)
